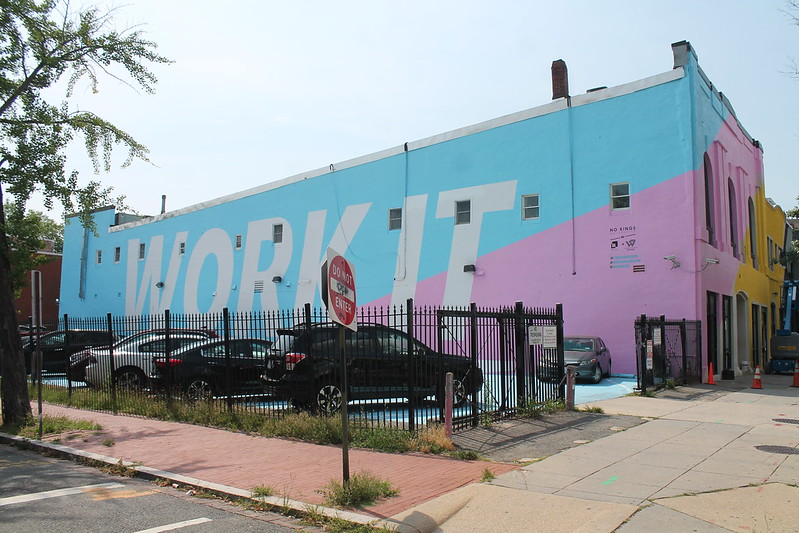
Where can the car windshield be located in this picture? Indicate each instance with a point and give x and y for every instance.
(578, 345)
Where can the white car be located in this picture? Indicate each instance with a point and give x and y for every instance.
(133, 358)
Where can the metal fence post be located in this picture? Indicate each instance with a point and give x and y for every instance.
(168, 370)
(561, 356)
(683, 347)
(226, 320)
(69, 381)
(473, 369)
(642, 358)
(518, 331)
(412, 358)
(111, 363)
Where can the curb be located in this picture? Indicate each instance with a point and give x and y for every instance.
(298, 508)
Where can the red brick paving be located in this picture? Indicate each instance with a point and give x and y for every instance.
(294, 469)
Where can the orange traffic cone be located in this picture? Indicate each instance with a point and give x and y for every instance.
(756, 382)
(796, 374)
(710, 380)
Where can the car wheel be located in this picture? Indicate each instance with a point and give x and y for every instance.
(130, 379)
(459, 394)
(199, 389)
(607, 373)
(328, 399)
(597, 374)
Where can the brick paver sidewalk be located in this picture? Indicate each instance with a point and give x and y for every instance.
(294, 469)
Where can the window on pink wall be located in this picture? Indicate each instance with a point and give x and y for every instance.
(733, 219)
(709, 214)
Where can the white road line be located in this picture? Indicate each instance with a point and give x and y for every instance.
(176, 525)
(56, 493)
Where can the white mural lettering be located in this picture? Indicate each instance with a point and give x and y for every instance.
(217, 243)
(466, 237)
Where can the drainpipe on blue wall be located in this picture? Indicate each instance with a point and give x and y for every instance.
(84, 257)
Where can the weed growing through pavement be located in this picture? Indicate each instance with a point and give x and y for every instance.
(363, 489)
(109, 442)
(670, 384)
(534, 409)
(262, 491)
(487, 476)
(467, 455)
(591, 409)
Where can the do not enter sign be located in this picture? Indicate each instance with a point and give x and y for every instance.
(338, 291)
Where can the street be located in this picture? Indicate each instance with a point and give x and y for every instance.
(39, 493)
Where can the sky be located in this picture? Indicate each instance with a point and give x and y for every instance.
(261, 90)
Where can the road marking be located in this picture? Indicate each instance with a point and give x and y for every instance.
(101, 494)
(176, 525)
(56, 493)
(610, 480)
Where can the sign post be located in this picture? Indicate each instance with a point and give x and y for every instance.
(338, 294)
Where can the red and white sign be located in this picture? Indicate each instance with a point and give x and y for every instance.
(341, 290)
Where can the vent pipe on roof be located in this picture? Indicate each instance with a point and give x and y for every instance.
(163, 204)
(560, 79)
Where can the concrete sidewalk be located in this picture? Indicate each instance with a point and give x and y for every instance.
(722, 458)
(698, 458)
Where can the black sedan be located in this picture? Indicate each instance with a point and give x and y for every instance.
(382, 363)
(208, 369)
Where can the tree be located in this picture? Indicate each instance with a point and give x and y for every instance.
(26, 233)
(42, 42)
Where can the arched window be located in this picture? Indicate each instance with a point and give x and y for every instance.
(733, 218)
(753, 232)
(709, 215)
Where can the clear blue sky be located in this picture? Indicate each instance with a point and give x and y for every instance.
(262, 90)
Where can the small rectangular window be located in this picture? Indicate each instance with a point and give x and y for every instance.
(530, 207)
(141, 250)
(394, 218)
(117, 254)
(99, 256)
(238, 242)
(770, 245)
(277, 233)
(463, 212)
(182, 248)
(620, 196)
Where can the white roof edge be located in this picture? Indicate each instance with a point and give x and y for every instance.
(550, 107)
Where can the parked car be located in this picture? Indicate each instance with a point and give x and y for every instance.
(79, 361)
(58, 346)
(133, 357)
(201, 371)
(589, 357)
(305, 367)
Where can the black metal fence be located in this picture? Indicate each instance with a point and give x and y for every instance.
(273, 363)
(667, 350)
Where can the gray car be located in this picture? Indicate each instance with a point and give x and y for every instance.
(589, 357)
(133, 358)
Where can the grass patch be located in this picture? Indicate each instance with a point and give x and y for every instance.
(262, 491)
(467, 455)
(591, 409)
(313, 517)
(51, 425)
(363, 489)
(487, 476)
(289, 424)
(109, 442)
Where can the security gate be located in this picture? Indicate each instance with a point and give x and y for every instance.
(667, 350)
(518, 350)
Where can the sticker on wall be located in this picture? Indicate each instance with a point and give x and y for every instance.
(623, 261)
(623, 238)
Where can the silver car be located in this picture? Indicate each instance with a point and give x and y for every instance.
(133, 358)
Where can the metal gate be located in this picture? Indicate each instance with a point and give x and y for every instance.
(667, 350)
(519, 352)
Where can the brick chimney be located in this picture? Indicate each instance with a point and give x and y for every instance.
(560, 79)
